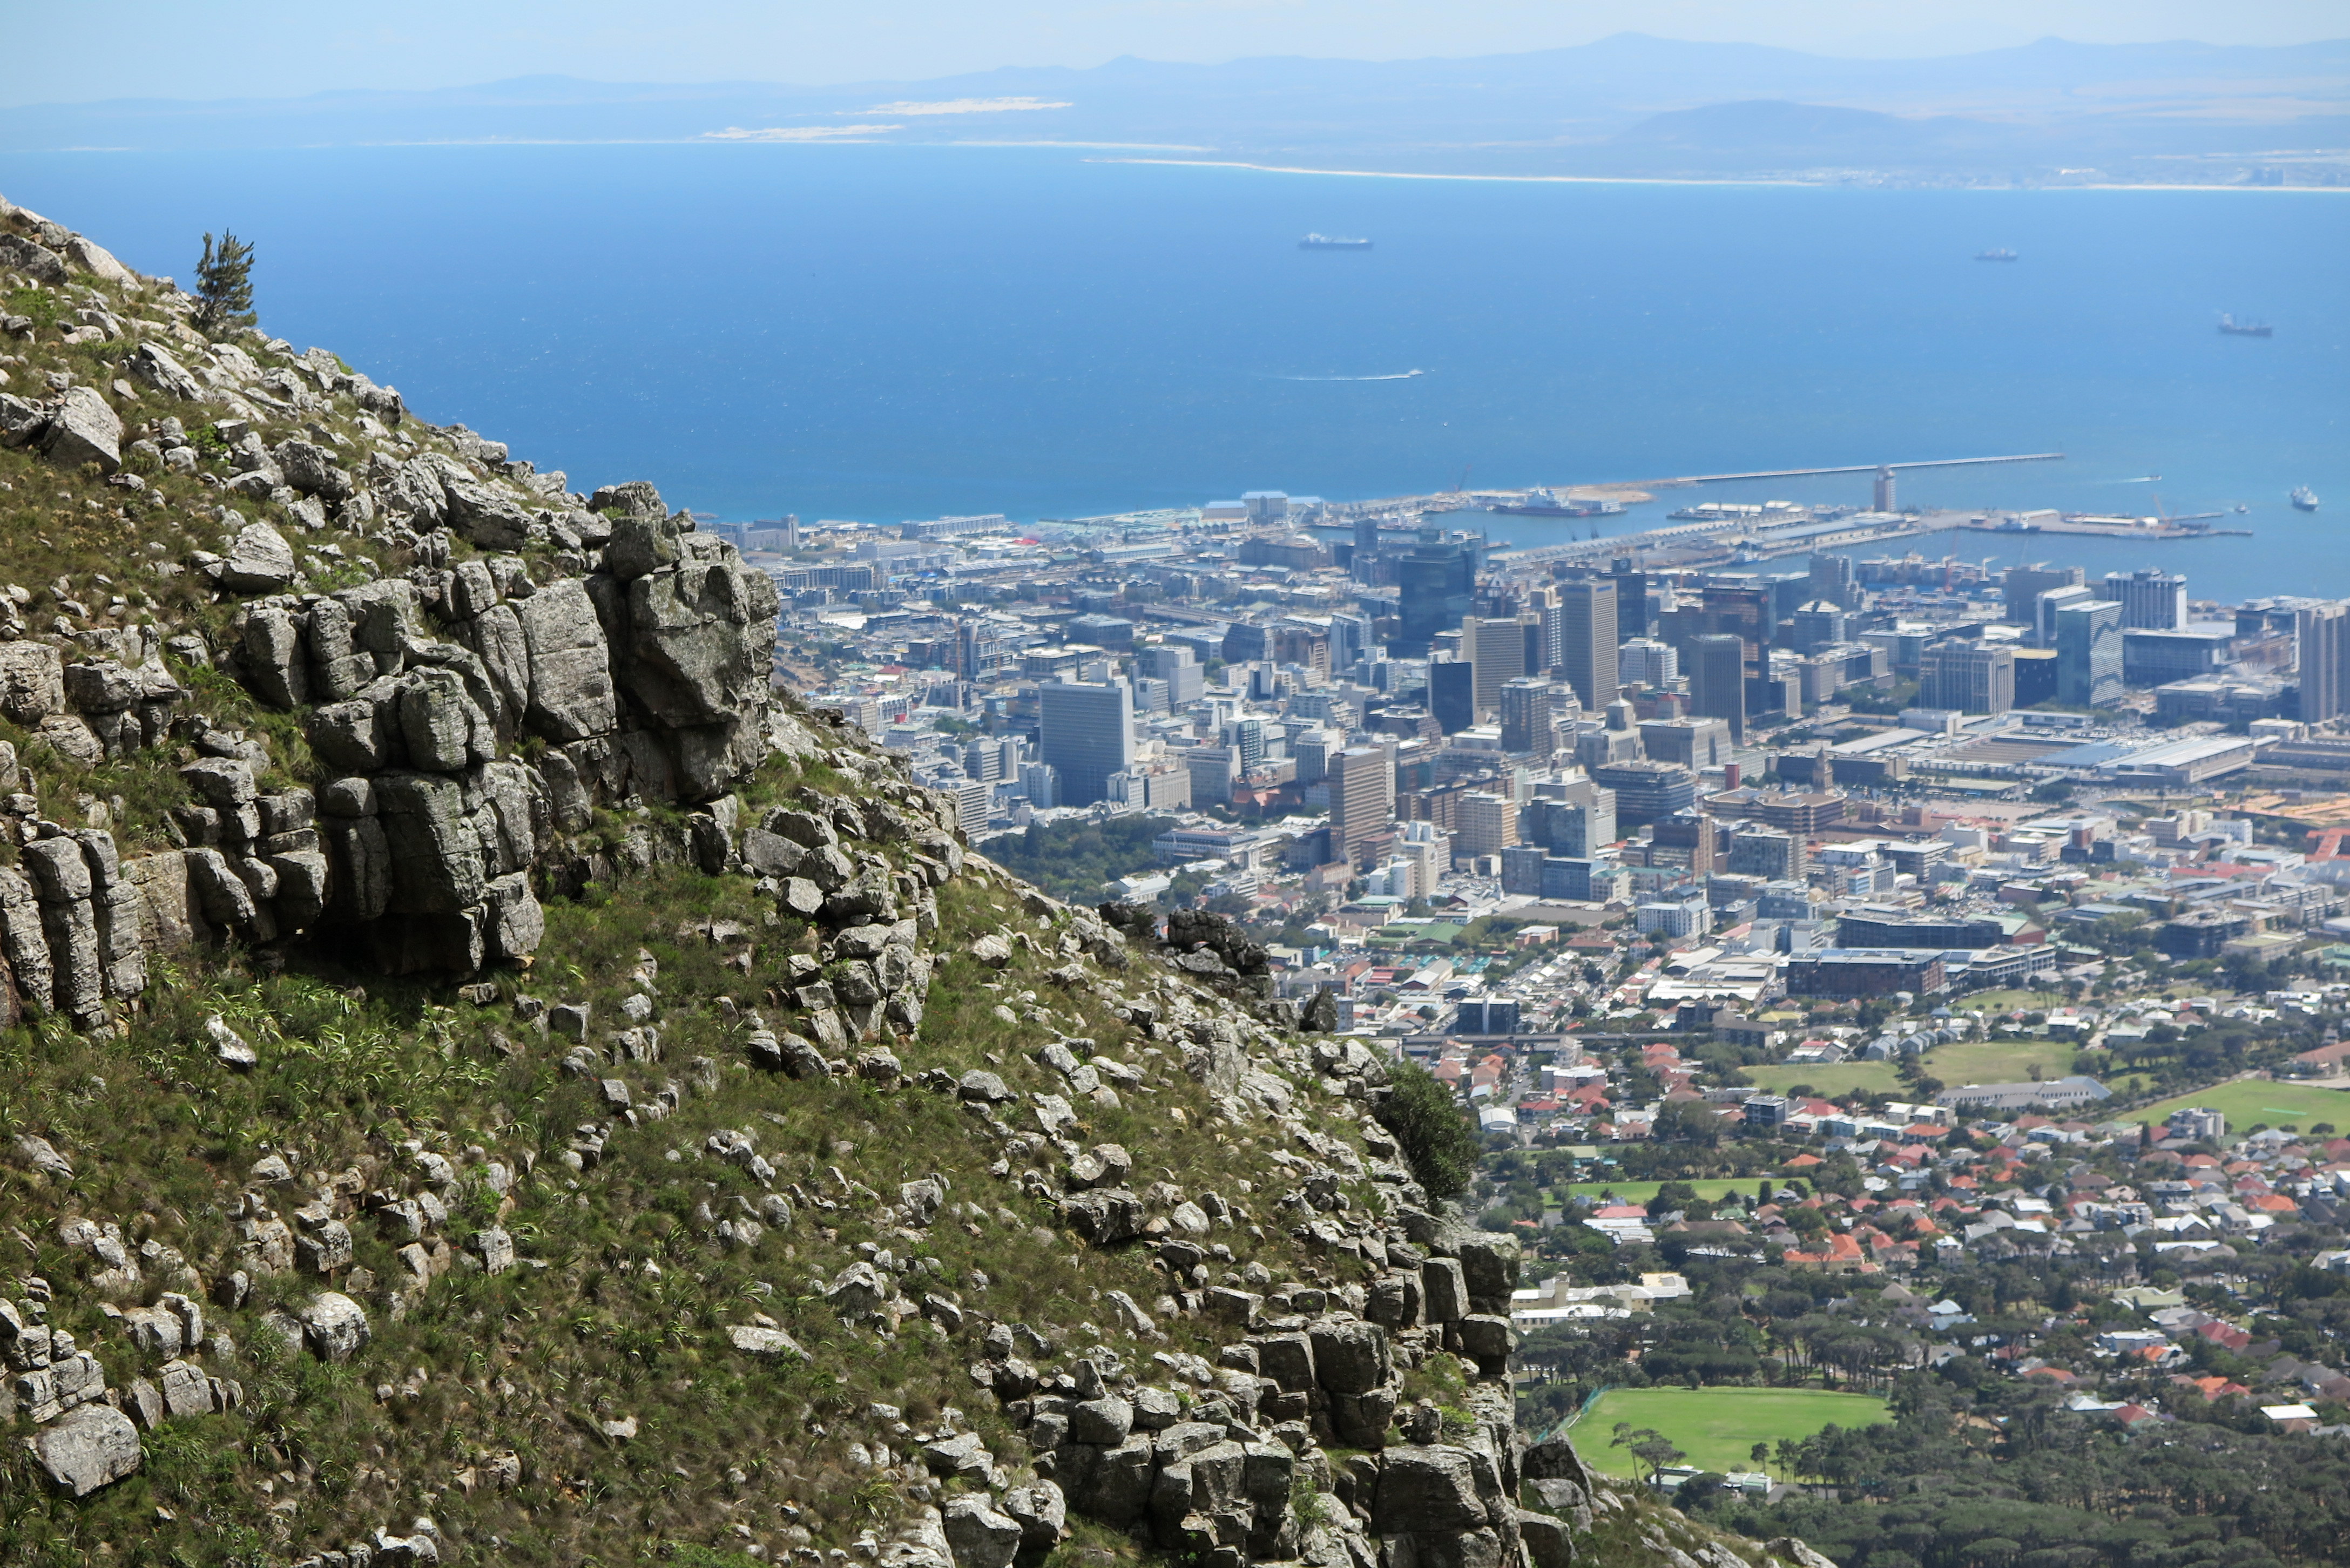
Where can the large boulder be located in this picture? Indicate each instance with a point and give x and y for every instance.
(1424, 1490)
(1350, 1357)
(312, 470)
(335, 1327)
(155, 365)
(93, 257)
(36, 262)
(979, 1535)
(87, 1448)
(436, 856)
(634, 498)
(700, 641)
(82, 428)
(31, 682)
(571, 691)
(260, 561)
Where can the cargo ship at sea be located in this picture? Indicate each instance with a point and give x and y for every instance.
(1332, 242)
(2303, 499)
(2002, 253)
(2231, 328)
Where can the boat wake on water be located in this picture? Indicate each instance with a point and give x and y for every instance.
(1398, 375)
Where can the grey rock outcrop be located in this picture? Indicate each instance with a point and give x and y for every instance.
(83, 429)
(86, 1448)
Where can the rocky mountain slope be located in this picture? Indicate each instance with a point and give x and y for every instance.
(484, 1079)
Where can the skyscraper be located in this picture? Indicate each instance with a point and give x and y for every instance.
(1087, 736)
(1362, 799)
(1648, 662)
(1967, 676)
(1489, 823)
(2051, 600)
(1717, 679)
(1587, 639)
(1576, 819)
(1184, 677)
(2321, 635)
(1817, 624)
(1497, 650)
(1438, 579)
(1831, 580)
(1529, 721)
(1452, 694)
(2089, 654)
(2023, 585)
(1631, 597)
(2150, 599)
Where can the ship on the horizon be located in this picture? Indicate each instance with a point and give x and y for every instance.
(2002, 253)
(1332, 242)
(2303, 499)
(2231, 327)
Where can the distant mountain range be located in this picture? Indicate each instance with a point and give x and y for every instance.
(1625, 106)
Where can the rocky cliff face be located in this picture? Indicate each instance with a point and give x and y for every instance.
(491, 1079)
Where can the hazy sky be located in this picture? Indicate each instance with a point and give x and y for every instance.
(269, 49)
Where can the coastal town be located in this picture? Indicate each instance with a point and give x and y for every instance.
(1952, 943)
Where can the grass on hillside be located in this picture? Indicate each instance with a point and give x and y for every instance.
(1829, 1079)
(625, 1315)
(1716, 1428)
(2250, 1102)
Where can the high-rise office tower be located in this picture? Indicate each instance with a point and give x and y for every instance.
(2149, 600)
(1587, 639)
(2321, 636)
(1452, 694)
(1437, 582)
(1350, 639)
(1489, 823)
(2089, 654)
(1366, 547)
(1087, 734)
(1967, 676)
(1632, 619)
(1186, 680)
(978, 653)
(1362, 799)
(1717, 680)
(1576, 819)
(1246, 737)
(1529, 719)
(1647, 662)
(2022, 585)
(1880, 494)
(1497, 650)
(1831, 580)
(1817, 624)
(2045, 609)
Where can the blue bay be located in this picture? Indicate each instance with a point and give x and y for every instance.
(886, 332)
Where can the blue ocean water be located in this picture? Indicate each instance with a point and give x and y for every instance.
(888, 332)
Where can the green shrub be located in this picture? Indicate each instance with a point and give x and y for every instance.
(1437, 1142)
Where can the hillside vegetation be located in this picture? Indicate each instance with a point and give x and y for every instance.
(488, 1080)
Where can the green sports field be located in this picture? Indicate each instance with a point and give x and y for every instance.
(1998, 1061)
(1828, 1079)
(1641, 1191)
(1717, 1428)
(2255, 1100)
